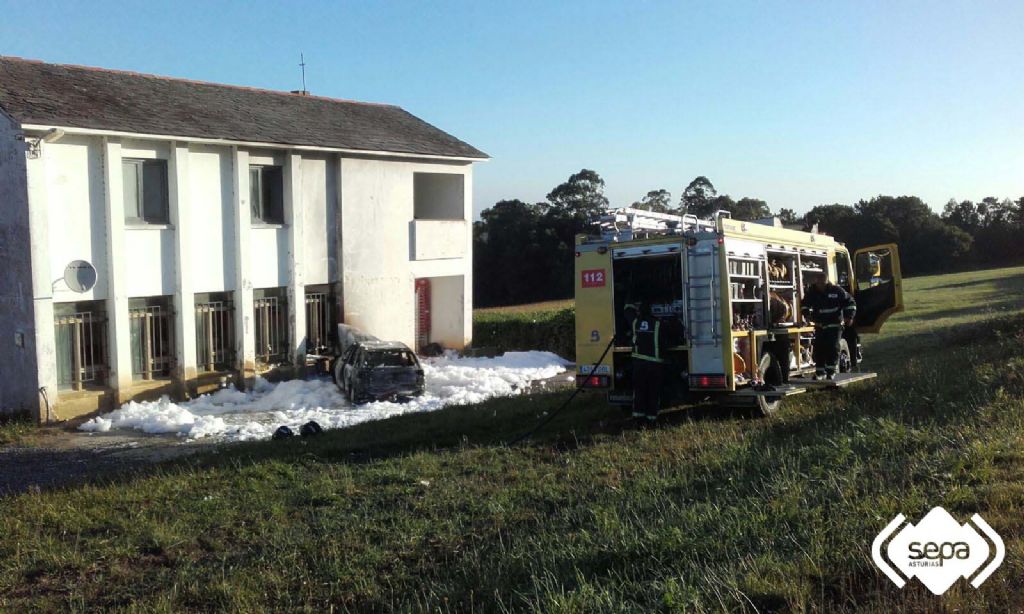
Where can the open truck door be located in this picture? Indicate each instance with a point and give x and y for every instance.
(877, 286)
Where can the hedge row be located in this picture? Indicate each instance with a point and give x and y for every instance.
(551, 331)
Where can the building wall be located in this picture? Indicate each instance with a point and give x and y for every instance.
(75, 206)
(19, 387)
(319, 207)
(211, 200)
(371, 252)
(149, 249)
(379, 249)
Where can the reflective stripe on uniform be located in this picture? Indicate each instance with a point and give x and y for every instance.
(645, 357)
(657, 343)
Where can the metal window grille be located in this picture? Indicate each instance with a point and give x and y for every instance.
(215, 335)
(271, 332)
(152, 341)
(319, 322)
(81, 349)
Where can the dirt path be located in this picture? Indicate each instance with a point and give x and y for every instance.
(58, 457)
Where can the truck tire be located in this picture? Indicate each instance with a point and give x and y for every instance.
(768, 406)
(762, 406)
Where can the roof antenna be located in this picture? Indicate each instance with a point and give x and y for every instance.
(302, 64)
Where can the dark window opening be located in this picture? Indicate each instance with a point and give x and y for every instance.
(439, 196)
(266, 194)
(388, 358)
(145, 191)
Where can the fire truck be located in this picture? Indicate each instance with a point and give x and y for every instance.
(732, 289)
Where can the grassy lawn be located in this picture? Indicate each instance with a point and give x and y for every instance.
(714, 512)
(529, 307)
(17, 430)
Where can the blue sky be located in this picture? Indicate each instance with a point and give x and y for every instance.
(796, 103)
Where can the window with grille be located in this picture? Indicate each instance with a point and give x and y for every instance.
(320, 322)
(215, 332)
(271, 318)
(81, 339)
(151, 324)
(145, 191)
(266, 194)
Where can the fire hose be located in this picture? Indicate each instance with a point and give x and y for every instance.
(579, 386)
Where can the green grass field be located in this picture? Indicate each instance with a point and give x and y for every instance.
(17, 429)
(529, 308)
(715, 511)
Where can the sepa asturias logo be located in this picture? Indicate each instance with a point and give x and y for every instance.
(938, 550)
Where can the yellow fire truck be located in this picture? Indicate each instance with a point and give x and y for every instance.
(734, 288)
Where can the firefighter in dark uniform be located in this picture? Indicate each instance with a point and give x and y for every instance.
(829, 307)
(650, 339)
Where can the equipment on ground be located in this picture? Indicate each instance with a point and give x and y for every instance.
(734, 287)
(310, 429)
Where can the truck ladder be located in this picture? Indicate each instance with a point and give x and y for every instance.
(703, 299)
(627, 223)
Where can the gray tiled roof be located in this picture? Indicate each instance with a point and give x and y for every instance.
(80, 97)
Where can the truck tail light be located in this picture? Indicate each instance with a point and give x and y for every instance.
(594, 381)
(707, 381)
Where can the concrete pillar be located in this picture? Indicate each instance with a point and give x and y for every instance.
(293, 218)
(42, 287)
(118, 327)
(339, 263)
(184, 293)
(245, 334)
(467, 277)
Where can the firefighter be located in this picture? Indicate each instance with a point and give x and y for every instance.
(650, 339)
(829, 307)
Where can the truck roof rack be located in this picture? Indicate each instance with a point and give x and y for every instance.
(627, 223)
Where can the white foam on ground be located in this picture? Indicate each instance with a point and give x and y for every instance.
(239, 416)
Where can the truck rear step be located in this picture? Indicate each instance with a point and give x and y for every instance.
(776, 391)
(841, 380)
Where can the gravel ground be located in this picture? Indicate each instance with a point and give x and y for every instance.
(59, 457)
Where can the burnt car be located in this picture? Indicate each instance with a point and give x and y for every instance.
(372, 370)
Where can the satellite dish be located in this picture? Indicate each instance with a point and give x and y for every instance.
(80, 276)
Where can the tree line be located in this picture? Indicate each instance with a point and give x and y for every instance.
(523, 252)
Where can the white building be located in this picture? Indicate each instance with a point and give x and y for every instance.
(228, 227)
